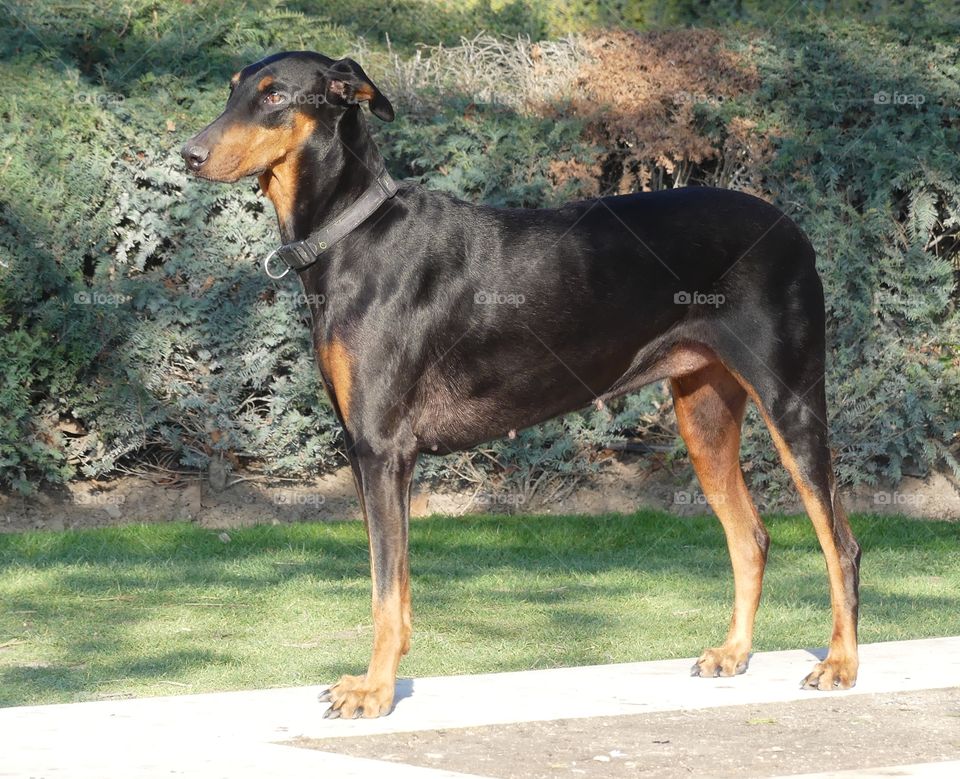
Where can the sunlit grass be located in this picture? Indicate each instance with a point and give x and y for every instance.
(172, 608)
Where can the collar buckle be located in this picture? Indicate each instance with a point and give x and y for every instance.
(297, 254)
(266, 265)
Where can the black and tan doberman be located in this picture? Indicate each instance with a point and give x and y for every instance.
(439, 324)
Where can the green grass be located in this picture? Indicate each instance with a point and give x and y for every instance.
(170, 608)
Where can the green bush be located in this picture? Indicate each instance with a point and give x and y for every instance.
(876, 185)
(136, 323)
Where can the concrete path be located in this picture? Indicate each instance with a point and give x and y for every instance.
(243, 734)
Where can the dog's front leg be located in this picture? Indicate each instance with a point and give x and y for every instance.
(385, 495)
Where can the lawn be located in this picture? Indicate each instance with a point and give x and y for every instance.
(173, 608)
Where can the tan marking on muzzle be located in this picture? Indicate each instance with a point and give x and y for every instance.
(248, 149)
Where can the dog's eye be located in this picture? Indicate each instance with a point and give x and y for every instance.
(274, 98)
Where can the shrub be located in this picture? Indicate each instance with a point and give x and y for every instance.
(874, 182)
(130, 294)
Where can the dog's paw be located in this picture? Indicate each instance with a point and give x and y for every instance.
(354, 697)
(721, 661)
(831, 674)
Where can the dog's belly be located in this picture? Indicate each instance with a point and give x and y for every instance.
(490, 393)
(453, 423)
(454, 415)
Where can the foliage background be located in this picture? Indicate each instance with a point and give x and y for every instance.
(137, 331)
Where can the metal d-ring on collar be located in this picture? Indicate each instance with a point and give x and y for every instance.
(298, 255)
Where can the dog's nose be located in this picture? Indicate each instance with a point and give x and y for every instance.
(194, 155)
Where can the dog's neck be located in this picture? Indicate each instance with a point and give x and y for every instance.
(312, 186)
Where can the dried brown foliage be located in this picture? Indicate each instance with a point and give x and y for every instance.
(587, 176)
(640, 92)
(656, 103)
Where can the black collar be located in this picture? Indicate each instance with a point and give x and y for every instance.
(298, 255)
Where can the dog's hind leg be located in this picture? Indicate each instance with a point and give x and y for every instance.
(798, 427)
(709, 405)
(771, 335)
(784, 377)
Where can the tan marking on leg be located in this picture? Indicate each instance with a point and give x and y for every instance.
(843, 660)
(372, 694)
(406, 614)
(388, 634)
(337, 365)
(709, 405)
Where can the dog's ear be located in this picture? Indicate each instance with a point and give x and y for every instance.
(347, 84)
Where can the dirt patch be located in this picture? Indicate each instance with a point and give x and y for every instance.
(132, 500)
(624, 486)
(820, 734)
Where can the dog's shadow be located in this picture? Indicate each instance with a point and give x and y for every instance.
(403, 690)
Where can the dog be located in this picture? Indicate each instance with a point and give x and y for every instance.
(439, 324)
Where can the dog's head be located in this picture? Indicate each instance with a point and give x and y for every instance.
(275, 107)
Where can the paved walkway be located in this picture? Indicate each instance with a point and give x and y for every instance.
(281, 733)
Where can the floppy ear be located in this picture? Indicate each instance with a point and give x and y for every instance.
(347, 84)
